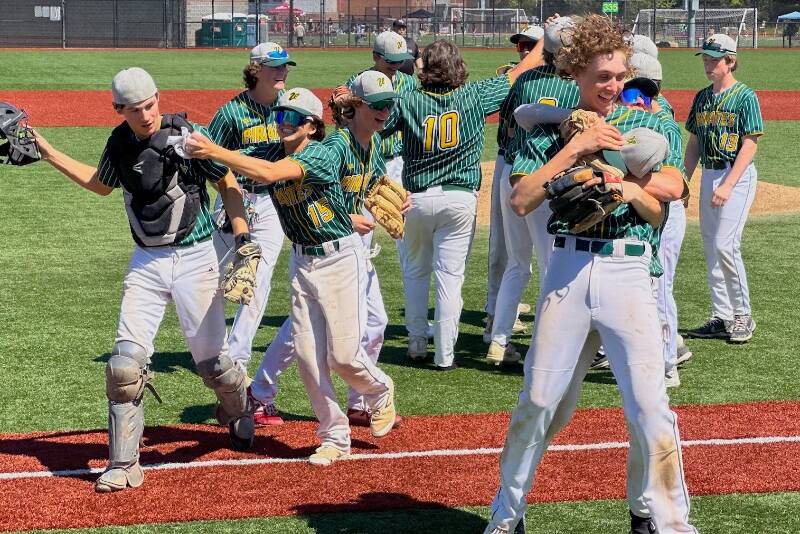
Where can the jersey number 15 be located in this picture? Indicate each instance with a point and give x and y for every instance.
(442, 130)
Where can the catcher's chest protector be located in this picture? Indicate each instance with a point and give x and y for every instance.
(161, 199)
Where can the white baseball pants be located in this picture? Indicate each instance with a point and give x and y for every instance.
(497, 243)
(265, 229)
(394, 169)
(668, 252)
(722, 229)
(438, 235)
(612, 296)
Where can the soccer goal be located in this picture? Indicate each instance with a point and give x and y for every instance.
(676, 27)
(481, 22)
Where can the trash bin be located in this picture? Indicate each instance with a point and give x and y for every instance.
(223, 30)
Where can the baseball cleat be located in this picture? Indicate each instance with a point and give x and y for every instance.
(520, 528)
(743, 328)
(672, 379)
(499, 355)
(326, 455)
(267, 415)
(119, 478)
(600, 362)
(714, 328)
(382, 420)
(683, 351)
(417, 348)
(242, 432)
(519, 327)
(362, 417)
(642, 525)
(523, 308)
(451, 367)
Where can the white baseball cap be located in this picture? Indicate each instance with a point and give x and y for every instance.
(373, 86)
(271, 55)
(558, 34)
(534, 33)
(643, 151)
(392, 47)
(302, 101)
(718, 45)
(644, 45)
(132, 85)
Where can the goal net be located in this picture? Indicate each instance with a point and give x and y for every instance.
(675, 26)
(488, 21)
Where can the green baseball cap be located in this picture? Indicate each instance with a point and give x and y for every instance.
(392, 47)
(718, 45)
(373, 86)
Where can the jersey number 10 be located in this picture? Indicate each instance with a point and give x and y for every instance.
(441, 129)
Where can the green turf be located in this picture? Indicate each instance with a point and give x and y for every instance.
(771, 513)
(65, 252)
(221, 69)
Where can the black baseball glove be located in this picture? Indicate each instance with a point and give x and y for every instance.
(579, 206)
(17, 145)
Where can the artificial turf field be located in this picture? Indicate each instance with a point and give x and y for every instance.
(65, 251)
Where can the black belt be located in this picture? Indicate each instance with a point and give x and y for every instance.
(605, 248)
(716, 165)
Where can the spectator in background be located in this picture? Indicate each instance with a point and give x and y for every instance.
(300, 33)
(399, 26)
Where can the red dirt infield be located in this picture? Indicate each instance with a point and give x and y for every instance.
(60, 108)
(392, 473)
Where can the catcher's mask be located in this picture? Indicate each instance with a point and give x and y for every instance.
(17, 145)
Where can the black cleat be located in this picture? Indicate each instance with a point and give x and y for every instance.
(242, 433)
(714, 328)
(642, 525)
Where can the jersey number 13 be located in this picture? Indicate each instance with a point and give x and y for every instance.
(441, 130)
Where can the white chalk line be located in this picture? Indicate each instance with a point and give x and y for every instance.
(241, 462)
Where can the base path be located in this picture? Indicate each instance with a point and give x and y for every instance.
(93, 108)
(46, 478)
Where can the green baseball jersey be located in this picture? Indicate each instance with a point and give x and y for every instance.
(721, 121)
(672, 132)
(537, 86)
(357, 168)
(544, 143)
(505, 113)
(665, 105)
(443, 132)
(199, 171)
(243, 124)
(312, 210)
(403, 84)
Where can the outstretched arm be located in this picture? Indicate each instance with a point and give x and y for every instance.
(84, 175)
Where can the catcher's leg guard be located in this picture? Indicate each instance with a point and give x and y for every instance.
(127, 376)
(229, 383)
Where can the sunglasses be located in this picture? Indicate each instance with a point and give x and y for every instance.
(291, 117)
(631, 95)
(381, 105)
(277, 54)
(523, 46)
(716, 47)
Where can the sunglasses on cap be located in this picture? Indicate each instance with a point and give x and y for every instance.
(525, 46)
(291, 117)
(276, 54)
(381, 105)
(632, 94)
(716, 47)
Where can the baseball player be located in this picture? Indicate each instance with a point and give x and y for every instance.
(524, 235)
(725, 124)
(357, 161)
(328, 280)
(498, 258)
(442, 125)
(173, 259)
(245, 122)
(597, 288)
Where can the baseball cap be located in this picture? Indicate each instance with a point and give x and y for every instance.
(391, 46)
(643, 151)
(534, 33)
(644, 45)
(302, 101)
(399, 23)
(718, 45)
(373, 86)
(132, 85)
(646, 74)
(558, 33)
(271, 55)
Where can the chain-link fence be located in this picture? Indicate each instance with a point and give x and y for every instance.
(355, 23)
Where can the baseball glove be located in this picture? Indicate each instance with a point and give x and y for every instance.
(579, 121)
(17, 145)
(339, 103)
(239, 281)
(579, 206)
(385, 202)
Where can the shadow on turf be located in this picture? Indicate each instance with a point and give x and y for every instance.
(163, 362)
(417, 516)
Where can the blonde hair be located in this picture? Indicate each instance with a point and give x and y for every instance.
(593, 36)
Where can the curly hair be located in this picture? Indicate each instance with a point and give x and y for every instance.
(442, 66)
(592, 36)
(343, 109)
(250, 74)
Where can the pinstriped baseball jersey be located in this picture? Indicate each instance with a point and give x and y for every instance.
(665, 105)
(356, 167)
(672, 132)
(199, 170)
(537, 86)
(443, 132)
(242, 124)
(312, 209)
(544, 143)
(403, 84)
(505, 113)
(721, 121)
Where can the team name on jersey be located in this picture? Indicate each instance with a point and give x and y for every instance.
(714, 118)
(291, 194)
(260, 134)
(355, 182)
